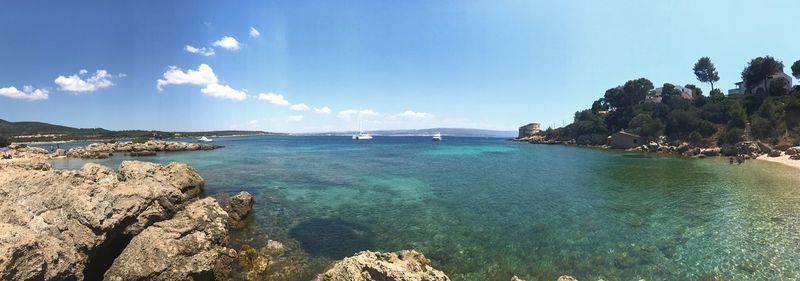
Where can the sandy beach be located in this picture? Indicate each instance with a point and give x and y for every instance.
(783, 159)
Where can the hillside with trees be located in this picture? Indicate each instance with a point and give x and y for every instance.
(768, 110)
(43, 132)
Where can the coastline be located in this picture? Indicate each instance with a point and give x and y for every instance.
(783, 160)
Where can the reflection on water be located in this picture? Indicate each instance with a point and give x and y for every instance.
(486, 209)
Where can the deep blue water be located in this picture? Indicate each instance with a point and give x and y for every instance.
(486, 209)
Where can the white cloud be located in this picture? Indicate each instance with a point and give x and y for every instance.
(347, 114)
(273, 98)
(74, 83)
(322, 110)
(204, 75)
(223, 91)
(300, 107)
(200, 51)
(254, 32)
(296, 118)
(227, 42)
(412, 115)
(28, 93)
(253, 123)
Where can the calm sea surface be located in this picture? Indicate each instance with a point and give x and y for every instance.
(486, 209)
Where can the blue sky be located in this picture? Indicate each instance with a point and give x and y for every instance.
(399, 64)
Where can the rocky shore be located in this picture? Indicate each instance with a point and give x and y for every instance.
(147, 221)
(149, 148)
(744, 149)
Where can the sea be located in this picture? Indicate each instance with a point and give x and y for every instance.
(490, 208)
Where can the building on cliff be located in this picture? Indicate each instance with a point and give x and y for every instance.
(529, 130)
(780, 79)
(624, 140)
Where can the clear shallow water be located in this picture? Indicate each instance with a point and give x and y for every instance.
(486, 209)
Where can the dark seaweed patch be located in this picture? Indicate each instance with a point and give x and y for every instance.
(333, 238)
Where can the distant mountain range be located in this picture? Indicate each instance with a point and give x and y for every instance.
(39, 131)
(456, 132)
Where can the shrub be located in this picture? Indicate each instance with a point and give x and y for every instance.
(4, 141)
(732, 135)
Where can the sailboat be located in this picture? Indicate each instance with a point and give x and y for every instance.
(361, 134)
(437, 136)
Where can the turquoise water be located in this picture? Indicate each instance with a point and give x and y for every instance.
(486, 209)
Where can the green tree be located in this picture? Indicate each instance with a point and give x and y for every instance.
(758, 69)
(796, 69)
(645, 125)
(705, 71)
(717, 95)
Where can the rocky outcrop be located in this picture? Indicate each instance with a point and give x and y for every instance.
(775, 153)
(406, 265)
(71, 224)
(238, 206)
(149, 148)
(190, 246)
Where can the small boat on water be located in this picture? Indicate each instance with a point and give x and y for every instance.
(437, 137)
(362, 136)
(205, 139)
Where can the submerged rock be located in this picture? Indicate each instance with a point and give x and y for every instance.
(190, 246)
(406, 265)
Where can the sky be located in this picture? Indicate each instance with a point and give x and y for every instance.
(316, 66)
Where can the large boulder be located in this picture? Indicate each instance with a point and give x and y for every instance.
(60, 225)
(238, 206)
(190, 246)
(406, 265)
(749, 148)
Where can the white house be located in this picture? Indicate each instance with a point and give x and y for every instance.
(655, 95)
(763, 87)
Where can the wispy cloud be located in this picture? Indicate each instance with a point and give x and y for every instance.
(347, 114)
(273, 98)
(296, 118)
(254, 32)
(300, 107)
(322, 110)
(75, 83)
(413, 115)
(200, 51)
(204, 75)
(27, 93)
(227, 42)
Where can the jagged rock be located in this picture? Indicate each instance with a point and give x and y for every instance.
(684, 147)
(749, 148)
(710, 151)
(566, 278)
(149, 148)
(190, 246)
(775, 153)
(764, 148)
(793, 151)
(33, 150)
(238, 206)
(515, 278)
(407, 265)
(60, 225)
(78, 152)
(60, 153)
